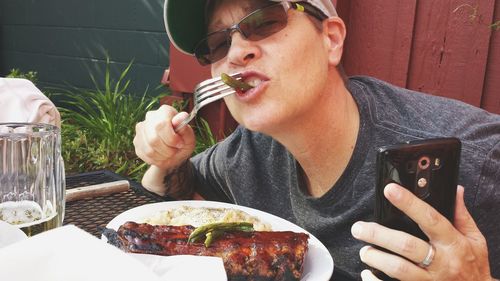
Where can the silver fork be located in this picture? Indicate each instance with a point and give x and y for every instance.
(206, 92)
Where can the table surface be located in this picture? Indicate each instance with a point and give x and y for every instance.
(94, 213)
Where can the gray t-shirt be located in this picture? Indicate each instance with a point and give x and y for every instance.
(252, 169)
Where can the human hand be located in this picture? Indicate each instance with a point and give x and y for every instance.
(454, 252)
(156, 142)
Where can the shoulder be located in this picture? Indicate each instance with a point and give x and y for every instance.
(419, 115)
(390, 100)
(399, 115)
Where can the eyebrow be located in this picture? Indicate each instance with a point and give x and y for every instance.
(219, 25)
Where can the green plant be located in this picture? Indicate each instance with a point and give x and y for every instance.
(496, 25)
(98, 125)
(204, 136)
(17, 73)
(474, 16)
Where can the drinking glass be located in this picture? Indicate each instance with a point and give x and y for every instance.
(32, 182)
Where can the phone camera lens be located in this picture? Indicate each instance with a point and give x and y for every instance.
(424, 162)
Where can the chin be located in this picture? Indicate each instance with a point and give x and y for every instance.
(262, 124)
(253, 126)
(258, 118)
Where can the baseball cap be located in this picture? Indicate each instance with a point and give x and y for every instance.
(185, 20)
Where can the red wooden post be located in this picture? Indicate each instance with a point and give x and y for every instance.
(491, 96)
(379, 38)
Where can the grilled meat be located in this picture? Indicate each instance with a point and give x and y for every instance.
(257, 255)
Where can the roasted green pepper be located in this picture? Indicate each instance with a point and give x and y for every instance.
(214, 230)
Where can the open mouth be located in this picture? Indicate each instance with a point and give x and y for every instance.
(253, 82)
(252, 79)
(249, 82)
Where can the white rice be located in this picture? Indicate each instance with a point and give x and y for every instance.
(186, 215)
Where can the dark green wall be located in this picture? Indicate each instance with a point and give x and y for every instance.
(65, 39)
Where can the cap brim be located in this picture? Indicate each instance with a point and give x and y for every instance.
(185, 23)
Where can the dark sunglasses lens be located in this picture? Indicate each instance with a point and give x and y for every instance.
(264, 22)
(212, 48)
(256, 26)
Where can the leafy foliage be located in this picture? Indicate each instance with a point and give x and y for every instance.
(17, 73)
(475, 16)
(204, 136)
(98, 126)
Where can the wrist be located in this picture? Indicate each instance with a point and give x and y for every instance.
(178, 182)
(153, 180)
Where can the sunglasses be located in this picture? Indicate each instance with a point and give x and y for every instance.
(256, 26)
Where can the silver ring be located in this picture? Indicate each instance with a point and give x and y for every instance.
(430, 256)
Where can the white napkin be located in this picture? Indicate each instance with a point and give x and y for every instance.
(10, 234)
(22, 101)
(184, 268)
(69, 253)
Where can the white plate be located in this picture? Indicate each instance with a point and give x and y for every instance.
(318, 264)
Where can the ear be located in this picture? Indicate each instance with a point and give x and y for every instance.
(334, 32)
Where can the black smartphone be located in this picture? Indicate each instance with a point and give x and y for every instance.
(427, 168)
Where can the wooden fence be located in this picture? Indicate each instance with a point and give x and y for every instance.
(442, 47)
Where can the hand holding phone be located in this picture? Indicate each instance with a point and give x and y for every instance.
(428, 168)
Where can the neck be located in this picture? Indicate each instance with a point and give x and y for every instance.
(323, 140)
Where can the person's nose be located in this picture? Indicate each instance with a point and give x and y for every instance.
(242, 51)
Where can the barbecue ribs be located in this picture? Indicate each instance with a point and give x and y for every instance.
(252, 256)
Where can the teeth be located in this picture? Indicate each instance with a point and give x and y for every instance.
(253, 82)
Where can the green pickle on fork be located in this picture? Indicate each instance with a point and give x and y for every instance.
(233, 83)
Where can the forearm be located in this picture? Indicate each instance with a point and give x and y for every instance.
(177, 182)
(153, 180)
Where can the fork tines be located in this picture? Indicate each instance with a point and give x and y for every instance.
(206, 92)
(215, 88)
